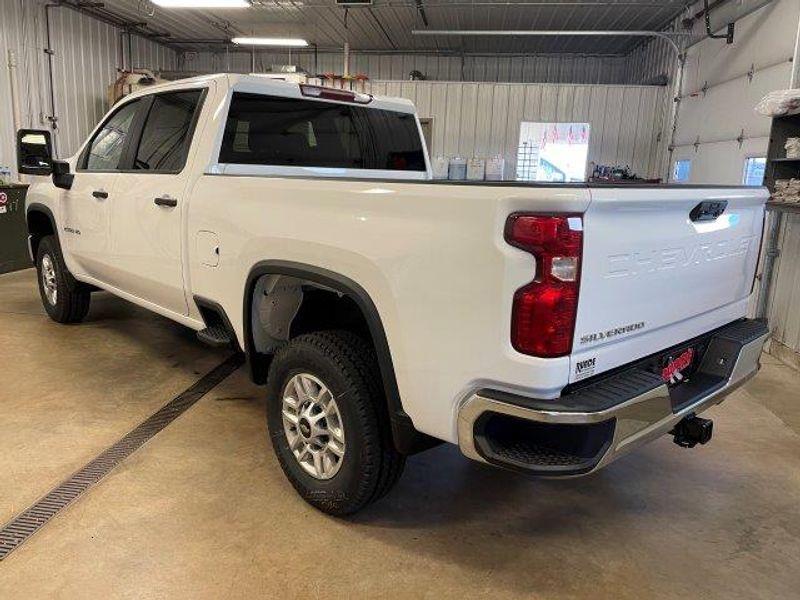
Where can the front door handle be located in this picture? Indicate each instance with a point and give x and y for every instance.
(166, 201)
(100, 194)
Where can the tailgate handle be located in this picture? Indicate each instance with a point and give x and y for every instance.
(708, 211)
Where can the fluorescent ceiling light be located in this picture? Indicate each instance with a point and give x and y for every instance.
(203, 3)
(266, 41)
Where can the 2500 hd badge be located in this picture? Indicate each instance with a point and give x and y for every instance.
(611, 333)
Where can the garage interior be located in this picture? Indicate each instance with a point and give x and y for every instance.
(627, 91)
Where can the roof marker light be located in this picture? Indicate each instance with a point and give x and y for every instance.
(326, 93)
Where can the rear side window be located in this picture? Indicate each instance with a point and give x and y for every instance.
(167, 132)
(268, 130)
(105, 149)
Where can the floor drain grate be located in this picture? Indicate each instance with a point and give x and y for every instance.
(23, 526)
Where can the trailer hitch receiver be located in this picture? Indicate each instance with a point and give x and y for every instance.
(692, 431)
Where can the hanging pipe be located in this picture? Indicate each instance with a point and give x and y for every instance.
(53, 118)
(16, 115)
(665, 35)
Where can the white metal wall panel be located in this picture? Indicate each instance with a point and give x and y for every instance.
(21, 31)
(508, 69)
(650, 60)
(725, 110)
(87, 55)
(785, 297)
(483, 119)
(738, 76)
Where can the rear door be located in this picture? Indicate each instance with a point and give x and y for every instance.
(659, 267)
(146, 224)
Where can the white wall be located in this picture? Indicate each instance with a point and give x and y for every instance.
(87, 55)
(512, 69)
(765, 43)
(483, 119)
(20, 31)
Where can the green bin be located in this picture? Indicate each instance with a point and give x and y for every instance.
(13, 229)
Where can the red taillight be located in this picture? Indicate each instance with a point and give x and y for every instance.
(326, 93)
(543, 319)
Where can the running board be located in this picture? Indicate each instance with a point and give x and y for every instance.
(216, 336)
(218, 332)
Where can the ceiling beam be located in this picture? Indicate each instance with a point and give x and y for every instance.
(97, 11)
(669, 36)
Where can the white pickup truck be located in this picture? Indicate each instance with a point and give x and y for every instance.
(547, 329)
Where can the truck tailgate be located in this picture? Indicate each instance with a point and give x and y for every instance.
(655, 274)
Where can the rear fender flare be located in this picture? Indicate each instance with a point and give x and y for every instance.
(406, 438)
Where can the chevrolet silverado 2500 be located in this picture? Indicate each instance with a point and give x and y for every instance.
(547, 329)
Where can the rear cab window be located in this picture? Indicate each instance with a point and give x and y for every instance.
(292, 132)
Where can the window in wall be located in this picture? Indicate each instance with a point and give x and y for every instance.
(268, 130)
(552, 151)
(165, 137)
(105, 149)
(682, 170)
(754, 169)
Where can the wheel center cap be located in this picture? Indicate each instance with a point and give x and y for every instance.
(305, 428)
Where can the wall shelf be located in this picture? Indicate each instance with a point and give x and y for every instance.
(778, 166)
(786, 207)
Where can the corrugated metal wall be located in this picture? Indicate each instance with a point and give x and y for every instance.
(655, 58)
(483, 119)
(21, 32)
(511, 69)
(784, 309)
(87, 55)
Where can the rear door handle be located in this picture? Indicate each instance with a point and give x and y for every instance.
(100, 194)
(166, 201)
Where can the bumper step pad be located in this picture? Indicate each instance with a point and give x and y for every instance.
(525, 452)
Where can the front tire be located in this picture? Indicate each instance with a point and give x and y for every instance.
(64, 299)
(329, 424)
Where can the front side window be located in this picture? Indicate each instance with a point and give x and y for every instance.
(267, 130)
(105, 149)
(166, 135)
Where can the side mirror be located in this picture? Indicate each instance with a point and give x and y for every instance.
(34, 152)
(62, 178)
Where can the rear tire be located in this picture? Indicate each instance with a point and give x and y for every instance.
(325, 399)
(64, 299)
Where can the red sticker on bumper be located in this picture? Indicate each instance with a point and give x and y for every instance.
(672, 373)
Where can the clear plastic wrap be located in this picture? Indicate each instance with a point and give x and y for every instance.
(780, 103)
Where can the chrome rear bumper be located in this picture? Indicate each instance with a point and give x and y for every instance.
(606, 419)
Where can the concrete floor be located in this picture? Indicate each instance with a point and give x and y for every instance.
(203, 510)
